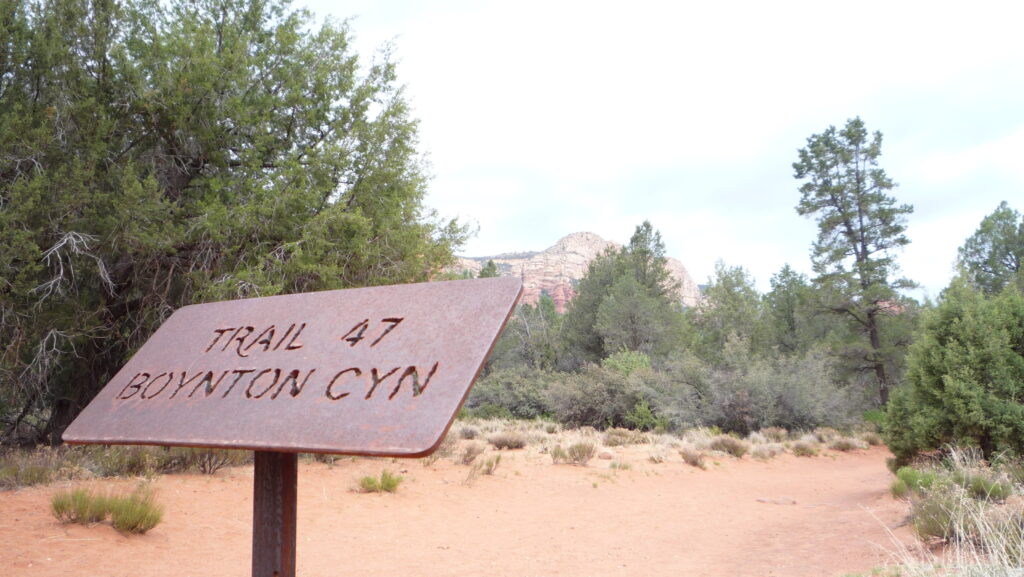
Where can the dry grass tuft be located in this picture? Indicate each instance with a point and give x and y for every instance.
(617, 437)
(731, 445)
(656, 457)
(79, 506)
(507, 440)
(805, 449)
(845, 444)
(470, 452)
(693, 456)
(558, 455)
(580, 453)
(136, 512)
(872, 438)
(766, 451)
(826, 434)
(775, 434)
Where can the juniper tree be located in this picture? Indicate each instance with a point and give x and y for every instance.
(158, 153)
(627, 300)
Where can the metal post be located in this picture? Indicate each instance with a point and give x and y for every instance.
(275, 483)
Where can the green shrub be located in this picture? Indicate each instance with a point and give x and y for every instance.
(580, 453)
(935, 515)
(80, 506)
(642, 418)
(674, 393)
(511, 393)
(507, 440)
(135, 513)
(963, 377)
(62, 504)
(387, 483)
(876, 418)
(731, 445)
(911, 482)
(626, 362)
(595, 397)
(916, 480)
(899, 489)
(619, 466)
(489, 411)
(982, 484)
(1011, 466)
(797, 392)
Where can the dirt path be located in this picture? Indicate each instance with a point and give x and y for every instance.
(827, 515)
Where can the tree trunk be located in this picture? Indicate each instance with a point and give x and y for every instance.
(90, 374)
(878, 363)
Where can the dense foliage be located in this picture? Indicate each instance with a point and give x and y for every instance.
(965, 377)
(810, 352)
(155, 154)
(627, 354)
(626, 301)
(991, 258)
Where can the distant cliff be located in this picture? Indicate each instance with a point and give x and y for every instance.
(557, 269)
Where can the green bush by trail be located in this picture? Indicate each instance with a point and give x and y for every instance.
(965, 378)
(136, 512)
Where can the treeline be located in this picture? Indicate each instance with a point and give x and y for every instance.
(626, 353)
(810, 352)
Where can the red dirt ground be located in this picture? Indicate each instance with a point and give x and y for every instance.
(821, 516)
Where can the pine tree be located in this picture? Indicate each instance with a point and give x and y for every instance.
(859, 229)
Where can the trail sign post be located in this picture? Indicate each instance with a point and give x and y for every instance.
(374, 371)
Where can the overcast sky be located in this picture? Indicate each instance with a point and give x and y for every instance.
(546, 118)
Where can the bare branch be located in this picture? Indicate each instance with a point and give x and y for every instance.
(59, 258)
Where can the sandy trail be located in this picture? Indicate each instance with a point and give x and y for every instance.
(827, 515)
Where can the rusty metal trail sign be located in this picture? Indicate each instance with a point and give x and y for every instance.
(373, 371)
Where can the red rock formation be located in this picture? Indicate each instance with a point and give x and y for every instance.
(556, 270)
